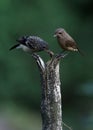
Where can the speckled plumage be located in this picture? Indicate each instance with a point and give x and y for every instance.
(32, 44)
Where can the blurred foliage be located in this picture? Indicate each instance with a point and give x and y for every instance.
(15, 118)
(19, 75)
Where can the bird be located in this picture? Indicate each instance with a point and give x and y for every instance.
(32, 44)
(66, 42)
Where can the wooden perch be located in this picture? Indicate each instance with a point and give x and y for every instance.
(51, 94)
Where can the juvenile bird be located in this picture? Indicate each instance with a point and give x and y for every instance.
(66, 41)
(32, 44)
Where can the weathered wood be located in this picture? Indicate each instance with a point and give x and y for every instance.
(51, 107)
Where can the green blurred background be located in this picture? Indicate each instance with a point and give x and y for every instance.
(20, 89)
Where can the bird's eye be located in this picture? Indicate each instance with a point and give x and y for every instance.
(60, 33)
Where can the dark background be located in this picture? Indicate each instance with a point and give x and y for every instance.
(20, 90)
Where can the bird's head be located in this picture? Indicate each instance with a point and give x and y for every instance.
(59, 32)
(22, 39)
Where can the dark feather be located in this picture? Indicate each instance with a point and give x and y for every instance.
(15, 46)
(36, 43)
(81, 52)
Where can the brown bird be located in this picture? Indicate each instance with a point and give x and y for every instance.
(66, 42)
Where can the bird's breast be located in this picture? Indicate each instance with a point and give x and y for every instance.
(24, 48)
(61, 42)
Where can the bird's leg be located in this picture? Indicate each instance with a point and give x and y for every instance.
(62, 53)
(50, 53)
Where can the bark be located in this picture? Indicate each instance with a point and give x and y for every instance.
(51, 107)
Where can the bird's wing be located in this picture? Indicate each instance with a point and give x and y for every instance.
(71, 43)
(35, 42)
(30, 44)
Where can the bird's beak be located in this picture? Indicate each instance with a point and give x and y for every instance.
(54, 35)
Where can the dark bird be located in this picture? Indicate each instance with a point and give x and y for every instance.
(32, 44)
(66, 41)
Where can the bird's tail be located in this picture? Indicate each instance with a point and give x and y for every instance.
(81, 52)
(14, 47)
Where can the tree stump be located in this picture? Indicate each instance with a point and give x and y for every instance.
(51, 107)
